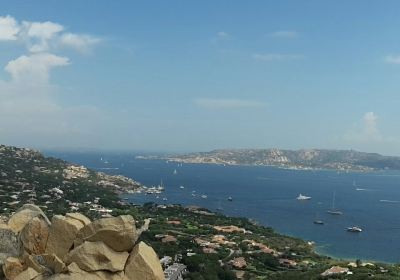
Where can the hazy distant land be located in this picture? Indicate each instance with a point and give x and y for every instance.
(343, 160)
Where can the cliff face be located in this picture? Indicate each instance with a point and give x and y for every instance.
(74, 247)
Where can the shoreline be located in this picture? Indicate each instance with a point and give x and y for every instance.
(316, 248)
(174, 160)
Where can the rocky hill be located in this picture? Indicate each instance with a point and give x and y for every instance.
(300, 159)
(74, 247)
(26, 176)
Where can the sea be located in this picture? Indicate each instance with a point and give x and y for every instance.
(267, 195)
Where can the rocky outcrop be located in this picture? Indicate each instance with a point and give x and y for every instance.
(23, 215)
(34, 236)
(93, 256)
(119, 233)
(143, 263)
(10, 246)
(72, 247)
(62, 234)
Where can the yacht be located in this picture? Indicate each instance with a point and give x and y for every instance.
(354, 229)
(181, 187)
(230, 198)
(318, 222)
(303, 197)
(334, 211)
(204, 196)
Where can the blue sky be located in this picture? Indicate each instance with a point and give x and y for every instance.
(200, 75)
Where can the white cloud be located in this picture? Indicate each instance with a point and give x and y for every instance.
(277, 57)
(44, 36)
(285, 34)
(366, 131)
(223, 35)
(39, 35)
(29, 111)
(35, 68)
(392, 59)
(227, 103)
(8, 28)
(370, 123)
(81, 43)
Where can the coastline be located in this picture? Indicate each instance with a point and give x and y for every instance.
(174, 160)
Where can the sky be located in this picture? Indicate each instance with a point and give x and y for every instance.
(184, 76)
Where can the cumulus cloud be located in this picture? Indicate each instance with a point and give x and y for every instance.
(227, 103)
(277, 57)
(35, 68)
(29, 111)
(392, 59)
(81, 43)
(9, 28)
(44, 36)
(366, 131)
(39, 35)
(285, 34)
(370, 126)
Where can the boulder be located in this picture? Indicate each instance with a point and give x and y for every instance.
(80, 217)
(62, 233)
(75, 273)
(24, 215)
(48, 264)
(119, 233)
(27, 274)
(143, 263)
(53, 263)
(34, 236)
(10, 246)
(94, 256)
(12, 267)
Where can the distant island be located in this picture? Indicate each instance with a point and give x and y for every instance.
(341, 160)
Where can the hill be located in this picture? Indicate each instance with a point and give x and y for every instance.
(296, 159)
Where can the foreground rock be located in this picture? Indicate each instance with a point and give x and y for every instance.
(10, 246)
(143, 263)
(62, 234)
(34, 236)
(93, 256)
(72, 247)
(119, 233)
(23, 215)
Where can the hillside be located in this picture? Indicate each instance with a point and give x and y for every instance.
(26, 176)
(196, 242)
(296, 159)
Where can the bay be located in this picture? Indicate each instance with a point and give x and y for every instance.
(268, 196)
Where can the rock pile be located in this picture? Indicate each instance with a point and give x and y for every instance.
(73, 247)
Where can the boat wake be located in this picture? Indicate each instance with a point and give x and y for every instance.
(389, 201)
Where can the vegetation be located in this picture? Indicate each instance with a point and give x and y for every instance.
(211, 245)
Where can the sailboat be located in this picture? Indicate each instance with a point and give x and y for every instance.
(175, 172)
(317, 221)
(161, 186)
(334, 211)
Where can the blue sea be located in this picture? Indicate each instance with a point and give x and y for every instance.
(268, 195)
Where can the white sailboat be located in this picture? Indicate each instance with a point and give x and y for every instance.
(333, 210)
